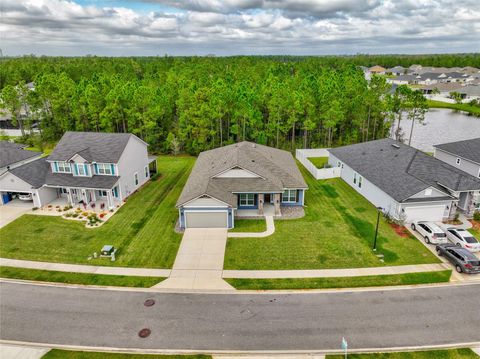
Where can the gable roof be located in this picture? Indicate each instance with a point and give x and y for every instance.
(11, 153)
(468, 149)
(92, 146)
(32, 172)
(276, 170)
(402, 171)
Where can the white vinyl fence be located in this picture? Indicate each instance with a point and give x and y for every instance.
(318, 173)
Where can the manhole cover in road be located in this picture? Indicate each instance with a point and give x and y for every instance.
(145, 332)
(149, 302)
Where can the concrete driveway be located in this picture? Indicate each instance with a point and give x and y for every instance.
(12, 210)
(199, 261)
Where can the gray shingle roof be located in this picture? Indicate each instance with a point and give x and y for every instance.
(33, 172)
(468, 149)
(11, 153)
(92, 146)
(404, 171)
(277, 168)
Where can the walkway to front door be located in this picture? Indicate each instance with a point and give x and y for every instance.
(199, 261)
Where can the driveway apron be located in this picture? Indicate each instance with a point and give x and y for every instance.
(199, 261)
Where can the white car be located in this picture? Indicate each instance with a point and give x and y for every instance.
(463, 238)
(25, 197)
(430, 232)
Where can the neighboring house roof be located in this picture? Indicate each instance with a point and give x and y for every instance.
(405, 78)
(472, 90)
(11, 153)
(92, 146)
(277, 170)
(443, 86)
(32, 172)
(396, 69)
(376, 68)
(468, 149)
(402, 171)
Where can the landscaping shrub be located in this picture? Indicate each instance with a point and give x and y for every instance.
(476, 216)
(75, 215)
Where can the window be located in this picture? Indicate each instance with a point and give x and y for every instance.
(360, 178)
(458, 161)
(63, 167)
(135, 178)
(354, 177)
(146, 172)
(289, 196)
(478, 173)
(103, 193)
(81, 169)
(103, 168)
(247, 199)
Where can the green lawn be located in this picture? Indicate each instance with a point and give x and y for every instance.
(342, 282)
(430, 354)
(249, 225)
(336, 232)
(474, 110)
(142, 230)
(78, 278)
(319, 162)
(66, 354)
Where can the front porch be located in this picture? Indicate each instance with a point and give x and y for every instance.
(97, 200)
(268, 210)
(61, 203)
(258, 204)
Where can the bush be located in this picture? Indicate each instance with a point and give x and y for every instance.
(85, 214)
(34, 208)
(155, 176)
(476, 216)
(101, 215)
(75, 215)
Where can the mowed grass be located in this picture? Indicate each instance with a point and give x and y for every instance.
(341, 282)
(336, 232)
(464, 353)
(142, 230)
(67, 354)
(249, 225)
(471, 109)
(78, 278)
(319, 162)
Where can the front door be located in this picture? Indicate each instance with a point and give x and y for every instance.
(267, 198)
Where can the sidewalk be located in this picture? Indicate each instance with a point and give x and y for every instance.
(21, 352)
(332, 273)
(270, 230)
(77, 268)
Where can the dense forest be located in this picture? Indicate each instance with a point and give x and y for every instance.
(196, 103)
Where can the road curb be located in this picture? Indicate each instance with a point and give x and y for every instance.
(239, 352)
(238, 292)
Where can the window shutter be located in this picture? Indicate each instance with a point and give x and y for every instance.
(56, 166)
(113, 168)
(86, 169)
(95, 166)
(76, 169)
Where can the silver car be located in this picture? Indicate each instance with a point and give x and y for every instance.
(430, 232)
(463, 238)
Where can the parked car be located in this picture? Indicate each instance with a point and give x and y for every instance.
(462, 259)
(430, 232)
(463, 238)
(25, 197)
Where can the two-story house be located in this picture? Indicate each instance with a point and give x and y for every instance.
(464, 155)
(84, 168)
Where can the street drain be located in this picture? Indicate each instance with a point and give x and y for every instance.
(149, 302)
(145, 332)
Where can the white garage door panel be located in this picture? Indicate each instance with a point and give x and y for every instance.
(424, 213)
(206, 219)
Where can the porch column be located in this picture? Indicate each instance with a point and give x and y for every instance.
(276, 203)
(261, 199)
(94, 197)
(69, 197)
(110, 203)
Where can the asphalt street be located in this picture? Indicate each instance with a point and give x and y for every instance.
(295, 321)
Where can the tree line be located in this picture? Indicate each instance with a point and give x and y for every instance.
(193, 104)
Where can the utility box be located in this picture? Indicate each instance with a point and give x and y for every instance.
(107, 251)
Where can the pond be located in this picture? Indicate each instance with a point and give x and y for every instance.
(441, 126)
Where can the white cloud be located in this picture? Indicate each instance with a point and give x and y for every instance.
(60, 27)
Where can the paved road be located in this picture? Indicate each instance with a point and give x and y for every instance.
(314, 321)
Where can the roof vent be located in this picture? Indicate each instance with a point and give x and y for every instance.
(395, 145)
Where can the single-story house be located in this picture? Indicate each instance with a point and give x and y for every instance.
(84, 168)
(396, 70)
(405, 182)
(379, 70)
(242, 176)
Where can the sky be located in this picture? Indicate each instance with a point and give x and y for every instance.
(237, 27)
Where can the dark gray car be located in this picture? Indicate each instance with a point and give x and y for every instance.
(463, 260)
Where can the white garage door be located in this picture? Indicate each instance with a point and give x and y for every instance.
(206, 219)
(425, 213)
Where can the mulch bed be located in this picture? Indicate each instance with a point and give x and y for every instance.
(475, 224)
(400, 230)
